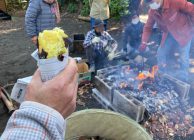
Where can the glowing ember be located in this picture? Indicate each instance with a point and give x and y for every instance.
(154, 71)
(123, 85)
(141, 76)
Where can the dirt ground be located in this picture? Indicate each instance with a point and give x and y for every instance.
(16, 48)
(15, 54)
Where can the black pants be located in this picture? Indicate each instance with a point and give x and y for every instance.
(96, 57)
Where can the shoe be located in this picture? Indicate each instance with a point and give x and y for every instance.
(92, 68)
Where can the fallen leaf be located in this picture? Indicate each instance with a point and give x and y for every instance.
(79, 102)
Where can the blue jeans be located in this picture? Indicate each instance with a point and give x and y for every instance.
(165, 54)
(92, 22)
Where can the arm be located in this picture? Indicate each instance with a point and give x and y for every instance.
(186, 7)
(41, 115)
(35, 121)
(58, 15)
(148, 28)
(109, 38)
(88, 39)
(31, 17)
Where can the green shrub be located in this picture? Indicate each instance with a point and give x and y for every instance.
(119, 8)
(85, 11)
(72, 8)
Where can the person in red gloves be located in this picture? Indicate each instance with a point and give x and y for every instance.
(175, 18)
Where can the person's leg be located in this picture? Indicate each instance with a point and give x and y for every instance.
(90, 56)
(105, 24)
(92, 22)
(183, 73)
(163, 54)
(98, 59)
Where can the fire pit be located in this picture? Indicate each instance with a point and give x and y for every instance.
(131, 91)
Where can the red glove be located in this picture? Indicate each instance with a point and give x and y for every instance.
(142, 47)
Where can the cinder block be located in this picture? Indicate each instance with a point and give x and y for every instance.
(128, 105)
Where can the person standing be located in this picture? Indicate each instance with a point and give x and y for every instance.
(99, 10)
(41, 15)
(175, 18)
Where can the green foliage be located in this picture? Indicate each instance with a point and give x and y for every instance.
(85, 11)
(72, 8)
(119, 8)
(13, 5)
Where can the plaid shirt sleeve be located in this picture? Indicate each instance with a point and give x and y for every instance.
(98, 46)
(88, 40)
(108, 37)
(34, 121)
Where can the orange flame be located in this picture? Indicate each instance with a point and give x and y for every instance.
(154, 71)
(140, 85)
(142, 76)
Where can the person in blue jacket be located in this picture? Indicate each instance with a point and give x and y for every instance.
(41, 15)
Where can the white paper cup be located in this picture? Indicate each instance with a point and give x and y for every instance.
(49, 68)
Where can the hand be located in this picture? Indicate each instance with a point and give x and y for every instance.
(34, 39)
(96, 40)
(111, 56)
(58, 20)
(191, 131)
(142, 47)
(105, 42)
(60, 93)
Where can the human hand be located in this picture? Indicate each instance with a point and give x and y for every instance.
(191, 131)
(105, 42)
(34, 40)
(142, 47)
(111, 56)
(58, 20)
(96, 40)
(59, 93)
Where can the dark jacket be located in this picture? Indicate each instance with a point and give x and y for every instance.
(176, 17)
(132, 35)
(39, 16)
